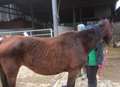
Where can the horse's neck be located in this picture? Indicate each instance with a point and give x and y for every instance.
(90, 39)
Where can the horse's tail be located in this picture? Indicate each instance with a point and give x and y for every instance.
(3, 77)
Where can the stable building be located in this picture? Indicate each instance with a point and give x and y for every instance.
(36, 14)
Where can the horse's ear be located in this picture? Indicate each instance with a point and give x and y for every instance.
(110, 20)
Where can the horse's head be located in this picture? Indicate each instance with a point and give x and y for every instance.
(106, 29)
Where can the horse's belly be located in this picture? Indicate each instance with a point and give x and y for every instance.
(47, 68)
(48, 62)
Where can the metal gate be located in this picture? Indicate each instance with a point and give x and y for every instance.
(28, 32)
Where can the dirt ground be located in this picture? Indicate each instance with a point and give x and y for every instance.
(112, 67)
(111, 77)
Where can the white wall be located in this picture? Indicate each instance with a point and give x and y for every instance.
(116, 31)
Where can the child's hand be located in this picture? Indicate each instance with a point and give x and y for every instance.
(100, 66)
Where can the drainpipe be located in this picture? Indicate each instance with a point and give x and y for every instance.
(55, 17)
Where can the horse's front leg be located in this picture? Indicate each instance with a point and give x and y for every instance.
(72, 75)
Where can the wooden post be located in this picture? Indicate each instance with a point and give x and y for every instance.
(32, 15)
(74, 17)
(80, 14)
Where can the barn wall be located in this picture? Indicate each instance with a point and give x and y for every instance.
(102, 12)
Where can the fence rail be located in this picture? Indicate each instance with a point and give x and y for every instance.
(37, 32)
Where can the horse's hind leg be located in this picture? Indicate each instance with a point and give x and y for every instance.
(72, 74)
(3, 77)
(10, 68)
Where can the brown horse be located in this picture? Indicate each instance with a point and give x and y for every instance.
(50, 56)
